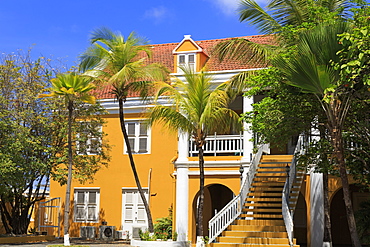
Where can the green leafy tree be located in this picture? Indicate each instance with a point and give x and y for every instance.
(72, 88)
(26, 142)
(122, 63)
(313, 73)
(200, 110)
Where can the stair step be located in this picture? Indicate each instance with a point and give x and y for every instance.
(265, 194)
(261, 222)
(272, 164)
(254, 240)
(262, 210)
(258, 199)
(268, 183)
(267, 205)
(259, 216)
(269, 179)
(271, 169)
(255, 228)
(261, 189)
(242, 223)
(249, 245)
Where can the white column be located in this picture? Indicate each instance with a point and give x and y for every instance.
(182, 197)
(183, 147)
(247, 135)
(317, 209)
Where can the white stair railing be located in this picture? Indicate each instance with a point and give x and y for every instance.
(287, 212)
(233, 209)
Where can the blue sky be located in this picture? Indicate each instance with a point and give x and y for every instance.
(60, 29)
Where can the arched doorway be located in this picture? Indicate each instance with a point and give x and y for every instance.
(338, 216)
(216, 196)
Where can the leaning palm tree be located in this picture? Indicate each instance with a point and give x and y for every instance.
(312, 71)
(121, 62)
(198, 109)
(72, 87)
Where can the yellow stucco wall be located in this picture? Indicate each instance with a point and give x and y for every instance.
(187, 45)
(230, 181)
(119, 174)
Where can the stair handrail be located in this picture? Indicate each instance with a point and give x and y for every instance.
(234, 208)
(288, 212)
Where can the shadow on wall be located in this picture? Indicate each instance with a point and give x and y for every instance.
(74, 229)
(338, 215)
(216, 196)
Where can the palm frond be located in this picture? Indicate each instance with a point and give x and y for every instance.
(169, 118)
(252, 13)
(289, 12)
(243, 50)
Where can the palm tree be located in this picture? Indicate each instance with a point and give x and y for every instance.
(71, 87)
(199, 110)
(272, 19)
(122, 64)
(312, 71)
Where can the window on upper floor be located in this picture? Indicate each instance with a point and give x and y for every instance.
(139, 137)
(186, 60)
(86, 205)
(89, 139)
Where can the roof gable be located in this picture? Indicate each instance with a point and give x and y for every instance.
(187, 45)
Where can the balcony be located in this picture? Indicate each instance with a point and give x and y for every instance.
(219, 145)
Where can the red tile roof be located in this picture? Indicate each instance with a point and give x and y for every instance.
(162, 53)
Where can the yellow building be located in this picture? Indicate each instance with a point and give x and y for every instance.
(168, 168)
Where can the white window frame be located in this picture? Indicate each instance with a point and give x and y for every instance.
(86, 205)
(137, 136)
(186, 63)
(89, 141)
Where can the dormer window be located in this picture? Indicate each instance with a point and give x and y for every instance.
(186, 60)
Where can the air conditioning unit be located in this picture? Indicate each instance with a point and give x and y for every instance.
(135, 233)
(87, 232)
(107, 233)
(122, 235)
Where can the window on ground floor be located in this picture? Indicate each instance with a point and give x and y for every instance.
(86, 205)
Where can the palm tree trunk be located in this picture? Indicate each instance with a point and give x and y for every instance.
(133, 167)
(199, 228)
(327, 228)
(69, 177)
(337, 141)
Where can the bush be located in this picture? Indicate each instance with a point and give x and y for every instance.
(162, 229)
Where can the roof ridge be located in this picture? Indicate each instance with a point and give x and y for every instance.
(228, 38)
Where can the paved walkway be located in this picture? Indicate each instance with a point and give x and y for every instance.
(91, 243)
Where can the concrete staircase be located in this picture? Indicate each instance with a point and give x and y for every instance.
(261, 223)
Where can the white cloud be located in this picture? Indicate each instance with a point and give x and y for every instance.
(156, 13)
(230, 7)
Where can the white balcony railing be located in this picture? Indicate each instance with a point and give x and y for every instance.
(220, 145)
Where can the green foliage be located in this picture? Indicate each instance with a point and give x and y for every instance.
(363, 222)
(162, 229)
(355, 56)
(33, 138)
(27, 139)
(282, 112)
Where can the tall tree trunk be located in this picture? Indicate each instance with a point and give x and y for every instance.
(69, 177)
(199, 228)
(133, 167)
(337, 141)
